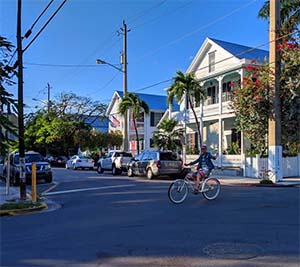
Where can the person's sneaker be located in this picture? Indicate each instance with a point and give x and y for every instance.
(196, 191)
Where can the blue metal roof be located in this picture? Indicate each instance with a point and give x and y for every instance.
(155, 102)
(240, 51)
(97, 123)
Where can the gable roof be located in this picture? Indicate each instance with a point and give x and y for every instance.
(242, 51)
(155, 102)
(100, 124)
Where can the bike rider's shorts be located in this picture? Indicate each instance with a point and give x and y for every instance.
(204, 172)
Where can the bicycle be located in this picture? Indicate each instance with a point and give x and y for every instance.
(209, 187)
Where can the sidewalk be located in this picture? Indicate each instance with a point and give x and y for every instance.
(14, 199)
(246, 181)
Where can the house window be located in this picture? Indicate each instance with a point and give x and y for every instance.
(211, 61)
(212, 97)
(155, 118)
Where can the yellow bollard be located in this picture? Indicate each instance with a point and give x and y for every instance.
(33, 182)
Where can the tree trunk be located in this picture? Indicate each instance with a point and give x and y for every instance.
(137, 135)
(198, 125)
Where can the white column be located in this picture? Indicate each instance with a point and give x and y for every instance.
(220, 142)
(243, 148)
(220, 79)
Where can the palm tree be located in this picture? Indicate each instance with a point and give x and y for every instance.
(6, 99)
(132, 102)
(168, 137)
(186, 84)
(289, 14)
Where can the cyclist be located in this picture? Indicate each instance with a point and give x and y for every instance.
(204, 163)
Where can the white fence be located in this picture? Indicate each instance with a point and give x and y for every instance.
(253, 166)
(290, 166)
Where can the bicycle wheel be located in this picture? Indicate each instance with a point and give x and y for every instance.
(178, 191)
(211, 188)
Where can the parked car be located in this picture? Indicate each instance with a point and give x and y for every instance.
(115, 161)
(76, 162)
(59, 161)
(43, 168)
(155, 163)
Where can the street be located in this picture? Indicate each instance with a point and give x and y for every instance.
(104, 220)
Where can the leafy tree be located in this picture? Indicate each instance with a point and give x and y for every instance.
(63, 128)
(251, 102)
(289, 15)
(187, 85)
(133, 103)
(251, 105)
(6, 99)
(167, 137)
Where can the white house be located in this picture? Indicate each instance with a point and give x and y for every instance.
(146, 123)
(220, 67)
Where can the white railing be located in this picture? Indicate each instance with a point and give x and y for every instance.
(255, 165)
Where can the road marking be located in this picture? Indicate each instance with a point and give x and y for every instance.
(55, 184)
(87, 189)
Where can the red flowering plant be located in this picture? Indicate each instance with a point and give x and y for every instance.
(251, 104)
(290, 94)
(251, 101)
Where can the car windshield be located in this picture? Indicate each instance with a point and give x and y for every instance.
(125, 154)
(29, 158)
(84, 157)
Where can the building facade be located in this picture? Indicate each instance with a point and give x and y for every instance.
(146, 123)
(220, 68)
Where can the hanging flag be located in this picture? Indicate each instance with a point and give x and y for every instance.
(114, 122)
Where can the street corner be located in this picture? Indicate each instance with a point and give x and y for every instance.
(12, 208)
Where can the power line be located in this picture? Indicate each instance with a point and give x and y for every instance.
(63, 65)
(105, 85)
(167, 13)
(29, 31)
(48, 21)
(152, 85)
(195, 31)
(144, 12)
(220, 61)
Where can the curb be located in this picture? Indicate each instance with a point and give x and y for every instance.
(23, 211)
(260, 185)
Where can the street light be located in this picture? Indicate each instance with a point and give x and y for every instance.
(100, 61)
(124, 71)
(46, 102)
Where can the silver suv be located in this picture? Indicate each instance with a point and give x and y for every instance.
(155, 163)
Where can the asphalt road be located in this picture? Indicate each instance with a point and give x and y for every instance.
(101, 220)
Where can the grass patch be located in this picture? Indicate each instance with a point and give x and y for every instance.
(20, 205)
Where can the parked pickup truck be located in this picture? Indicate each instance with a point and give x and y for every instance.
(115, 161)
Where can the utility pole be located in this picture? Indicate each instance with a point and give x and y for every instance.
(48, 99)
(274, 125)
(20, 105)
(124, 62)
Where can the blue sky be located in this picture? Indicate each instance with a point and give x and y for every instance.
(165, 36)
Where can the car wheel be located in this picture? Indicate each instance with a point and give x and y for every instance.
(49, 179)
(149, 174)
(129, 172)
(99, 169)
(114, 170)
(74, 167)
